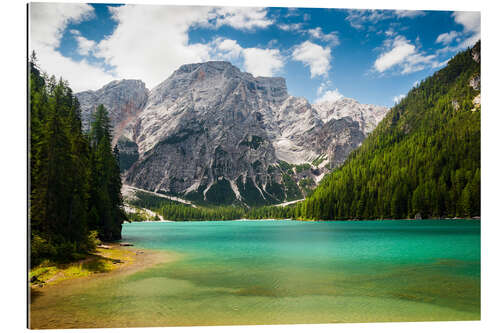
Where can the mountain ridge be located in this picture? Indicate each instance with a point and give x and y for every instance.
(210, 129)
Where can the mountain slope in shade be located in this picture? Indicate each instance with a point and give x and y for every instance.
(213, 133)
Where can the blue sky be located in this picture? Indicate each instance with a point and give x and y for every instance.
(373, 56)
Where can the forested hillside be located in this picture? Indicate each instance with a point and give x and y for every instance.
(74, 176)
(423, 159)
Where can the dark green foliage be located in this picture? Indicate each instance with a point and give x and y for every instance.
(307, 185)
(220, 193)
(106, 183)
(302, 167)
(276, 190)
(179, 212)
(149, 201)
(423, 158)
(60, 162)
(292, 191)
(250, 194)
(128, 153)
(285, 167)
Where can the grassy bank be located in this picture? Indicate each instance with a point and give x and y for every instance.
(105, 259)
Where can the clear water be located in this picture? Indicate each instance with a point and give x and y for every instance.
(265, 272)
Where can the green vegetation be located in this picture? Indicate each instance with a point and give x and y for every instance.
(292, 191)
(423, 158)
(149, 201)
(220, 193)
(318, 160)
(74, 177)
(128, 153)
(180, 212)
(302, 167)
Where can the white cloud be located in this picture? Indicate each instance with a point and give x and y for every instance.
(262, 62)
(409, 13)
(390, 32)
(401, 49)
(404, 55)
(398, 98)
(85, 46)
(316, 57)
(227, 48)
(331, 38)
(47, 24)
(245, 18)
(471, 21)
(330, 96)
(48, 21)
(150, 42)
(159, 35)
(290, 27)
(257, 61)
(471, 33)
(360, 18)
(447, 37)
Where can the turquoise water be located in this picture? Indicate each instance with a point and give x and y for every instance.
(265, 272)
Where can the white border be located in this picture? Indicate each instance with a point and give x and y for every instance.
(13, 163)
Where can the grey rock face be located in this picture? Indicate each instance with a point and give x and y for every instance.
(211, 132)
(123, 99)
(366, 115)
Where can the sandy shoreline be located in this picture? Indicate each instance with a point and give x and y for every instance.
(125, 260)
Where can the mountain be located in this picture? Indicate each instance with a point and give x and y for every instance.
(422, 161)
(211, 133)
(122, 98)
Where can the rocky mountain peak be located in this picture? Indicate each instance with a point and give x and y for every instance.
(122, 98)
(211, 132)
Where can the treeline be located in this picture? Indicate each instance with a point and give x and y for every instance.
(75, 185)
(175, 211)
(422, 160)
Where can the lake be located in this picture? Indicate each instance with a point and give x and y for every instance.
(272, 272)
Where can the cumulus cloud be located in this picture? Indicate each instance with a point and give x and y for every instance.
(85, 46)
(409, 13)
(262, 62)
(244, 18)
(47, 24)
(150, 42)
(315, 56)
(331, 38)
(161, 42)
(224, 48)
(360, 18)
(447, 37)
(330, 96)
(470, 34)
(404, 55)
(290, 27)
(257, 61)
(471, 21)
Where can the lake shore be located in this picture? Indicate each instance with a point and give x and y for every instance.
(108, 261)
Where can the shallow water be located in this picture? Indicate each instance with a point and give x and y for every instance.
(265, 272)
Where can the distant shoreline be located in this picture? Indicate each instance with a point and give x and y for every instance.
(304, 220)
